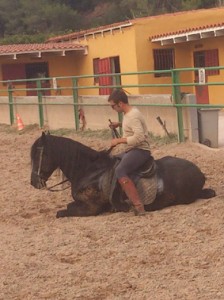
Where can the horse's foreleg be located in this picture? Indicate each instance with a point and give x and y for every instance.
(88, 202)
(80, 209)
(74, 209)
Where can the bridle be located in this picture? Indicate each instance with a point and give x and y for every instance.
(39, 170)
(40, 160)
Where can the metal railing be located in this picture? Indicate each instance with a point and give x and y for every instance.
(175, 89)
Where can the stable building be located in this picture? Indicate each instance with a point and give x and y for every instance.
(171, 41)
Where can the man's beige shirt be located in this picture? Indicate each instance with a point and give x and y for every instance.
(135, 130)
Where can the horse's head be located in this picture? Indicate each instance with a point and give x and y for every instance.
(42, 160)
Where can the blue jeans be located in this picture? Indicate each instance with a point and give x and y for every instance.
(131, 161)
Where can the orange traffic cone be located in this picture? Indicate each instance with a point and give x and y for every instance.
(19, 121)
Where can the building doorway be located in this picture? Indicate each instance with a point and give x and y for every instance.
(37, 70)
(108, 65)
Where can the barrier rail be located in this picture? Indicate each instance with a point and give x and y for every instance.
(75, 87)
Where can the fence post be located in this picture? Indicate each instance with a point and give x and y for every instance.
(177, 100)
(118, 85)
(75, 101)
(11, 111)
(40, 103)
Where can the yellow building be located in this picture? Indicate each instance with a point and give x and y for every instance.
(165, 42)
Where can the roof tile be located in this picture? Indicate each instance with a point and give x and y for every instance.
(187, 30)
(24, 48)
(77, 34)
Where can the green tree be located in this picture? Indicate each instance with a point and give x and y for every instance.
(210, 3)
(10, 17)
(27, 20)
(134, 9)
(42, 16)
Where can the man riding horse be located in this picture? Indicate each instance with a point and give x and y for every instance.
(172, 181)
(136, 139)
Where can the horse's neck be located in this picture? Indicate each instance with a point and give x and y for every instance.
(72, 165)
(73, 158)
(68, 169)
(68, 174)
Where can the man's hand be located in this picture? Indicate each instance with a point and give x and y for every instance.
(115, 142)
(114, 124)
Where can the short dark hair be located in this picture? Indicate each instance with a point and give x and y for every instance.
(117, 96)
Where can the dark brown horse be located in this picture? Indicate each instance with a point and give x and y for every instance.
(90, 173)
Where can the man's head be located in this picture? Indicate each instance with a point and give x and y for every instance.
(118, 99)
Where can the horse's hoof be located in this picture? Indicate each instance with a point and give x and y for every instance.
(61, 213)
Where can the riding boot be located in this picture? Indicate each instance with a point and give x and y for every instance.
(130, 190)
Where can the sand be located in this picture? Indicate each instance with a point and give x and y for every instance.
(176, 253)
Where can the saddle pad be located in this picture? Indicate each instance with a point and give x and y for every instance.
(147, 189)
(107, 184)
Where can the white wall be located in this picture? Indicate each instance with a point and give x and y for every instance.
(61, 115)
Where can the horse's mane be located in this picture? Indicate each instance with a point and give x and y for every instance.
(72, 148)
(68, 146)
(75, 157)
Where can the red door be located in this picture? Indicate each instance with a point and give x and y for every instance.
(104, 81)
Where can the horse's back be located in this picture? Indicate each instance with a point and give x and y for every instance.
(175, 166)
(181, 177)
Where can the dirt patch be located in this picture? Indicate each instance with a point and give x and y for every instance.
(176, 253)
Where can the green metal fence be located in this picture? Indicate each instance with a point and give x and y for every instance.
(75, 86)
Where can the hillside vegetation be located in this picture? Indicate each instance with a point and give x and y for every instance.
(25, 21)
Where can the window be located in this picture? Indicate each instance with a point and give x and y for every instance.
(207, 58)
(163, 60)
(37, 70)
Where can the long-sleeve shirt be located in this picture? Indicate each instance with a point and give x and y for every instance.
(135, 130)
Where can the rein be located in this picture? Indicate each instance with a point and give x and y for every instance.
(50, 189)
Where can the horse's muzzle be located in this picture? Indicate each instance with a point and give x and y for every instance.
(37, 182)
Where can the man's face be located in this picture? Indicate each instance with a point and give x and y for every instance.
(115, 106)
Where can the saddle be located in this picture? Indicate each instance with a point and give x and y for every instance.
(148, 170)
(145, 179)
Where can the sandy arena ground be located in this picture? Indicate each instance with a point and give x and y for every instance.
(176, 253)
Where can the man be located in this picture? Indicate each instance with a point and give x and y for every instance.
(135, 136)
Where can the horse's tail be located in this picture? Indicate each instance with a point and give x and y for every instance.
(207, 193)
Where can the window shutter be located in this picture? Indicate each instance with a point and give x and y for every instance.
(104, 67)
(212, 60)
(96, 69)
(13, 71)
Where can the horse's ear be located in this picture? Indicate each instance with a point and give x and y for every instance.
(43, 136)
(46, 132)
